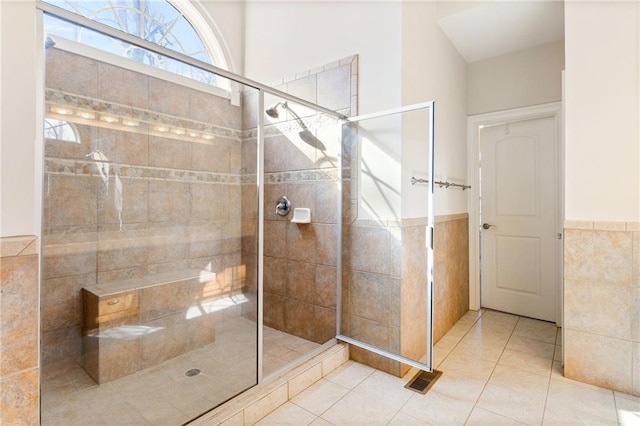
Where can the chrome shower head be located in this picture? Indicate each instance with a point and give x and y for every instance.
(49, 42)
(272, 111)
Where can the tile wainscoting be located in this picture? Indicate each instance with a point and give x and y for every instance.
(602, 304)
(19, 372)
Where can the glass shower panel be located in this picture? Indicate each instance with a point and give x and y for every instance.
(387, 222)
(149, 274)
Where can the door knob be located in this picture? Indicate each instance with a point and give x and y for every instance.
(486, 226)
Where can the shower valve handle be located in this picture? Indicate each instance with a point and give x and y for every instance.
(283, 206)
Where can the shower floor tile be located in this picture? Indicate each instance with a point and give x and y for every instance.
(163, 394)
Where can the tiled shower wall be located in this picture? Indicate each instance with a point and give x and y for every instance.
(384, 284)
(602, 304)
(19, 371)
(177, 194)
(301, 162)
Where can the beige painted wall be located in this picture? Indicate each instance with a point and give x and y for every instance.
(525, 78)
(602, 173)
(19, 209)
(432, 69)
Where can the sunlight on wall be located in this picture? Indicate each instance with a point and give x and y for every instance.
(379, 181)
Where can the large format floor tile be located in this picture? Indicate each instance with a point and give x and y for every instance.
(498, 369)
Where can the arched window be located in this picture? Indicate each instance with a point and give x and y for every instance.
(156, 21)
(60, 130)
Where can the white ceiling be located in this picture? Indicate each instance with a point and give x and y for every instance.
(484, 29)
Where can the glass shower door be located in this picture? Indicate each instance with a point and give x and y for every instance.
(149, 274)
(386, 308)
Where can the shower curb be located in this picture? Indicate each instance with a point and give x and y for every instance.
(251, 406)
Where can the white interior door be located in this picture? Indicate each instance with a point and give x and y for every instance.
(519, 242)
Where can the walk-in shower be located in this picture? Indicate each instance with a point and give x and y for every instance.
(153, 222)
(170, 283)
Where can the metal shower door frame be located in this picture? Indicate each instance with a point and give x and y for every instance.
(428, 364)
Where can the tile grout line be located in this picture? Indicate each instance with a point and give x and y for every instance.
(444, 359)
(546, 397)
(475, 404)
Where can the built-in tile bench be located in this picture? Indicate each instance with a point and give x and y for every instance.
(137, 323)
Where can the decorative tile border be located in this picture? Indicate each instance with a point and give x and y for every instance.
(86, 168)
(312, 175)
(87, 105)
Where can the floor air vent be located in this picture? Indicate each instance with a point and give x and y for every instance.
(423, 381)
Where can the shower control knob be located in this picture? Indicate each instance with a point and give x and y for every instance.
(283, 206)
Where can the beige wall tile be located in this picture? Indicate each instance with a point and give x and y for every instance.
(301, 242)
(598, 360)
(275, 275)
(169, 98)
(274, 310)
(326, 243)
(19, 398)
(214, 157)
(59, 63)
(325, 321)
(70, 200)
(578, 224)
(300, 281)
(635, 260)
(635, 315)
(272, 192)
(299, 319)
(370, 249)
(334, 88)
(325, 286)
(168, 201)
(167, 341)
(636, 368)
(122, 86)
(18, 314)
(117, 357)
(302, 195)
(161, 300)
(209, 201)
(170, 153)
(633, 226)
(598, 256)
(372, 296)
(593, 308)
(610, 226)
(126, 147)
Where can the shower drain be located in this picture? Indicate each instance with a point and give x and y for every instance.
(192, 372)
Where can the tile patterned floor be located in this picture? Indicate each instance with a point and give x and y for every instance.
(163, 395)
(498, 369)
